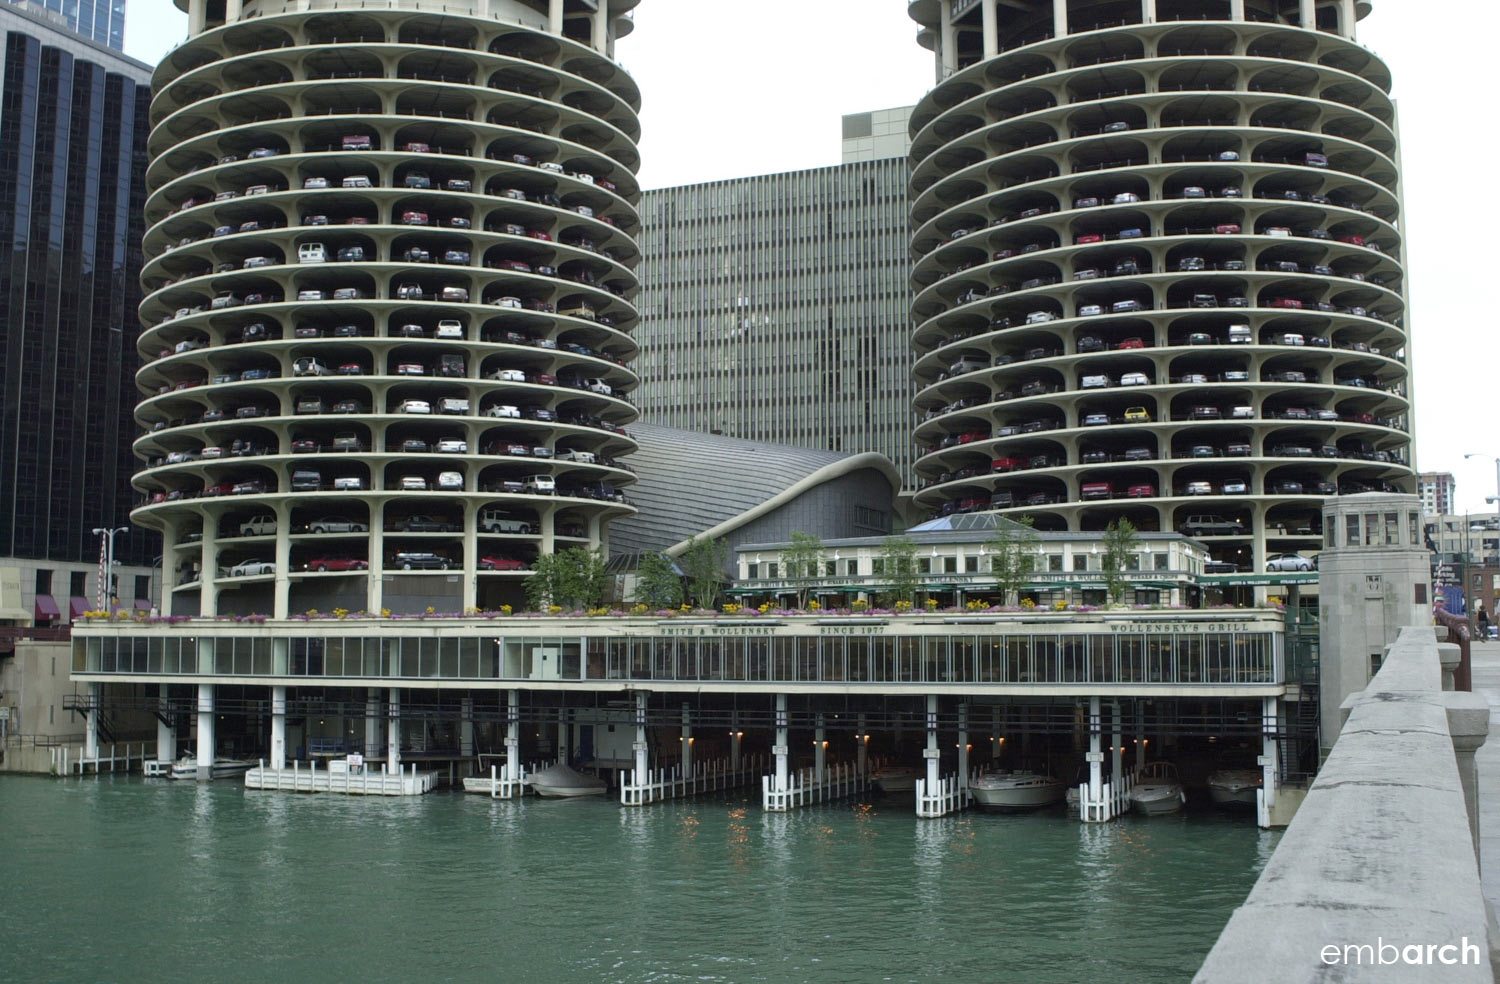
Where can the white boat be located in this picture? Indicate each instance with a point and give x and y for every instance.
(187, 768)
(1157, 790)
(1016, 791)
(562, 782)
(1234, 787)
(896, 778)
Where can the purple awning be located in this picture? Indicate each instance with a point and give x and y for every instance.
(77, 605)
(142, 605)
(46, 608)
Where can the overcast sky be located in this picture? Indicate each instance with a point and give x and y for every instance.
(730, 89)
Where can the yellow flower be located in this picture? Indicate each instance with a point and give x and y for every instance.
(554, 609)
(506, 609)
(385, 613)
(1027, 603)
(431, 610)
(1058, 606)
(859, 604)
(340, 612)
(931, 604)
(638, 609)
(902, 606)
(813, 606)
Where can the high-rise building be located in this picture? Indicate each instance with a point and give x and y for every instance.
(877, 134)
(73, 131)
(777, 308)
(1437, 490)
(1158, 267)
(388, 312)
(98, 20)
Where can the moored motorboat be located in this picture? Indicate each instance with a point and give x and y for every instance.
(1016, 791)
(1157, 790)
(187, 768)
(563, 782)
(896, 778)
(1234, 787)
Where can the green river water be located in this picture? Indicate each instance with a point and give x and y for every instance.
(127, 879)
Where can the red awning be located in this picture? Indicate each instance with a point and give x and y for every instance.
(142, 605)
(77, 605)
(46, 608)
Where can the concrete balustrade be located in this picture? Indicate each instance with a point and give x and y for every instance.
(1377, 878)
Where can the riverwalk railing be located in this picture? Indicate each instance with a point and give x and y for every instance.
(804, 787)
(1380, 865)
(949, 795)
(661, 784)
(1460, 636)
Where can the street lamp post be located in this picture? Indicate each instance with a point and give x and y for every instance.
(1489, 498)
(106, 585)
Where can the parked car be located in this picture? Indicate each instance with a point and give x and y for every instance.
(419, 561)
(252, 568)
(1288, 562)
(501, 564)
(334, 524)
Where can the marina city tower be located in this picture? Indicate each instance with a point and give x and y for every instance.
(388, 300)
(1158, 267)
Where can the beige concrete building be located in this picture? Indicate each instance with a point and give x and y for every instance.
(389, 294)
(1158, 267)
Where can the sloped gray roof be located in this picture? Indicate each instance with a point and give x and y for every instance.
(689, 482)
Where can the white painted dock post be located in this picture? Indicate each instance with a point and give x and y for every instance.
(278, 728)
(963, 745)
(1138, 711)
(393, 733)
(564, 736)
(206, 744)
(1117, 751)
(932, 753)
(820, 750)
(1270, 768)
(166, 734)
(687, 741)
(372, 722)
(861, 746)
(780, 748)
(735, 734)
(466, 728)
(1095, 757)
(512, 735)
(641, 765)
(91, 727)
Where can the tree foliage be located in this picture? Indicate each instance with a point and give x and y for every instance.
(1013, 556)
(898, 560)
(703, 562)
(803, 562)
(571, 578)
(657, 584)
(1120, 541)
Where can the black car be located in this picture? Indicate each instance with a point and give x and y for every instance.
(424, 524)
(416, 561)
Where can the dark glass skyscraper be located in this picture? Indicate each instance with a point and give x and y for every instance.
(98, 20)
(73, 128)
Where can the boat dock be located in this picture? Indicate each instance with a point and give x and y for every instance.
(339, 777)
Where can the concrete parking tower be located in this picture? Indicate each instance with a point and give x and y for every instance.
(1158, 269)
(388, 300)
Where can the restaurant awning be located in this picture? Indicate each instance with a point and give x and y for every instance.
(46, 609)
(77, 605)
(142, 605)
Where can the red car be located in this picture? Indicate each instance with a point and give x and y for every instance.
(1140, 492)
(1286, 302)
(337, 564)
(1007, 464)
(1227, 228)
(223, 488)
(1132, 343)
(501, 564)
(1091, 238)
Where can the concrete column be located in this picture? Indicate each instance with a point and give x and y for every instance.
(555, 17)
(1096, 753)
(281, 589)
(1059, 18)
(197, 16)
(687, 740)
(169, 562)
(949, 40)
(1347, 19)
(546, 527)
(991, 29)
(735, 734)
(1307, 14)
(1268, 757)
(780, 748)
(278, 728)
(932, 753)
(1236, 10)
(564, 736)
(601, 29)
(166, 734)
(641, 763)
(1139, 711)
(471, 554)
(233, 10)
(393, 731)
(862, 745)
(820, 749)
(375, 583)
(1148, 11)
(513, 734)
(1469, 726)
(963, 744)
(1451, 657)
(996, 742)
(1116, 760)
(91, 725)
(206, 744)
(372, 721)
(466, 728)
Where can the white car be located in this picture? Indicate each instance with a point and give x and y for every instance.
(503, 410)
(1288, 562)
(507, 302)
(1040, 317)
(415, 406)
(452, 445)
(450, 328)
(1134, 379)
(250, 568)
(598, 386)
(1088, 310)
(508, 375)
(541, 484)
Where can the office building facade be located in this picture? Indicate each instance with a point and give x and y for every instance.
(387, 324)
(101, 21)
(73, 130)
(777, 308)
(1437, 490)
(1158, 268)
